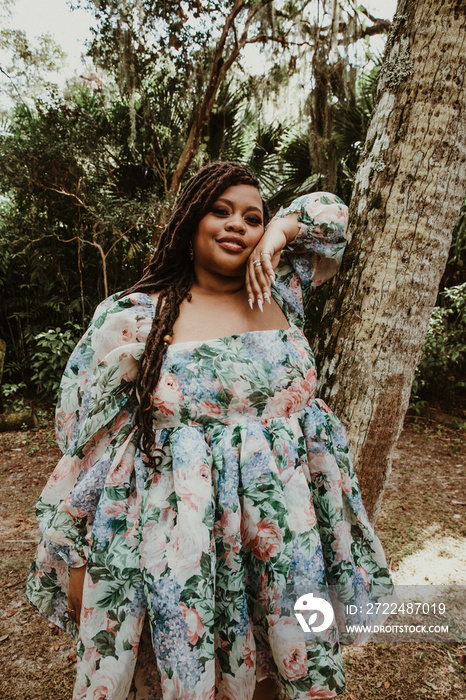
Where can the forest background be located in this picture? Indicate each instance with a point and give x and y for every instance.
(299, 93)
(89, 169)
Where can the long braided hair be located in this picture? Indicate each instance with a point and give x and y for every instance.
(171, 272)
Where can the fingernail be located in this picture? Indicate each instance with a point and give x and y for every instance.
(259, 304)
(266, 296)
(272, 278)
(251, 303)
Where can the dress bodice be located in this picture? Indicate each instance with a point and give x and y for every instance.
(256, 375)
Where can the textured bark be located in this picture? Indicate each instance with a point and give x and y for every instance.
(407, 196)
(2, 363)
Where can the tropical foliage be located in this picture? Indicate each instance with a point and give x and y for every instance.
(86, 177)
(442, 369)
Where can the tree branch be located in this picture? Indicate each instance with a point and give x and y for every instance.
(383, 26)
(12, 82)
(219, 68)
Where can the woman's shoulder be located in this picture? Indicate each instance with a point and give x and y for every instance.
(102, 368)
(119, 321)
(136, 303)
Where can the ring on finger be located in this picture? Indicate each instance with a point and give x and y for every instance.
(256, 263)
(264, 252)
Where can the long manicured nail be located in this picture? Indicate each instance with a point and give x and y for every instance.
(266, 296)
(272, 279)
(259, 304)
(251, 303)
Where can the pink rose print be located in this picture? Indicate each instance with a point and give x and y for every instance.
(167, 394)
(289, 648)
(229, 523)
(295, 285)
(66, 471)
(249, 650)
(238, 687)
(106, 680)
(194, 622)
(319, 693)
(324, 469)
(193, 486)
(66, 422)
(211, 408)
(153, 548)
(364, 575)
(268, 540)
(190, 538)
(119, 329)
(175, 689)
(346, 484)
(342, 542)
(301, 513)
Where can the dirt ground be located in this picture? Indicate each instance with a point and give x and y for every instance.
(422, 528)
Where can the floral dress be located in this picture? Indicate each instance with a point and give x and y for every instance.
(254, 503)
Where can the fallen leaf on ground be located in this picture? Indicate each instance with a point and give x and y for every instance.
(10, 585)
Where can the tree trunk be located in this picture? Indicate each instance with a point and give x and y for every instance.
(2, 363)
(407, 196)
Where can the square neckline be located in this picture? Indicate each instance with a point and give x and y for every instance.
(291, 327)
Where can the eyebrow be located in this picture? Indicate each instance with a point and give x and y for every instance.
(228, 201)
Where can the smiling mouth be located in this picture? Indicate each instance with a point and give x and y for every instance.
(232, 245)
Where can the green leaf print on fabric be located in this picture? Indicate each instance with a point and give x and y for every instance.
(105, 643)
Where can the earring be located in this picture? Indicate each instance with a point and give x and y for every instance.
(191, 250)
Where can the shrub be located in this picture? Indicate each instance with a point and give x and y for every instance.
(53, 348)
(443, 361)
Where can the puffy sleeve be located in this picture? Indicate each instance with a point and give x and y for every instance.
(316, 253)
(94, 417)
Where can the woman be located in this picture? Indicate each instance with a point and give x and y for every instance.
(202, 485)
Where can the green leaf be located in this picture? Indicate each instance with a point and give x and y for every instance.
(105, 643)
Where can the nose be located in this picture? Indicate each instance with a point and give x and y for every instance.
(235, 223)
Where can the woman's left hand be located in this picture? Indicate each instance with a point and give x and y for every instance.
(259, 277)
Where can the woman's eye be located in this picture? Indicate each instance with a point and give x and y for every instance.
(254, 220)
(221, 211)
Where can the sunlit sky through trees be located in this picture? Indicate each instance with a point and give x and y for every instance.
(70, 29)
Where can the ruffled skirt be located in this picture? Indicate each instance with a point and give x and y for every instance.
(215, 547)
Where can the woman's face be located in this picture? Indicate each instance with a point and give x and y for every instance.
(228, 233)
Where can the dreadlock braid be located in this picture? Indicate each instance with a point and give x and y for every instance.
(171, 272)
